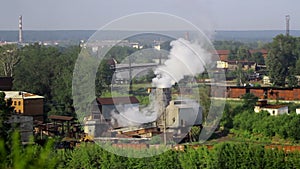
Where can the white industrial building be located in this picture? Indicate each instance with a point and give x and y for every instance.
(183, 113)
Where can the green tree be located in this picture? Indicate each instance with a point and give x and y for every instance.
(249, 101)
(5, 113)
(9, 57)
(297, 67)
(61, 89)
(281, 58)
(243, 53)
(104, 76)
(48, 71)
(241, 76)
(258, 58)
(232, 55)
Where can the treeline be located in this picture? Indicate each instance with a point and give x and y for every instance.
(48, 71)
(241, 51)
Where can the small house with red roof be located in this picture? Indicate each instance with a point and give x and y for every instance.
(274, 110)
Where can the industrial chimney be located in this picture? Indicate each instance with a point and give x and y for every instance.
(162, 100)
(287, 29)
(20, 29)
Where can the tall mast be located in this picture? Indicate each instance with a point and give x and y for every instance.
(20, 29)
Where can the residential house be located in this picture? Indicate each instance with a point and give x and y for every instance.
(274, 110)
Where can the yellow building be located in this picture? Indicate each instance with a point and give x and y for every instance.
(27, 104)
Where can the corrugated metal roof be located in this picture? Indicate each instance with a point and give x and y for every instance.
(118, 100)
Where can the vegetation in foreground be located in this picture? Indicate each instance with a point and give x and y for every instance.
(223, 155)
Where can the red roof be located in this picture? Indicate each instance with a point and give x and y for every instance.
(270, 106)
(263, 51)
(223, 52)
(118, 100)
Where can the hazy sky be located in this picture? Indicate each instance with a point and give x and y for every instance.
(93, 14)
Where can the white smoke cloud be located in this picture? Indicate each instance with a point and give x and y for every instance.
(185, 58)
(131, 115)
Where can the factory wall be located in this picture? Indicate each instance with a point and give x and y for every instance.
(35, 108)
(265, 92)
(183, 115)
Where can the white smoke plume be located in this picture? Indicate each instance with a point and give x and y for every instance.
(132, 116)
(185, 58)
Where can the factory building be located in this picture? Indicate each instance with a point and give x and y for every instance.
(111, 118)
(101, 118)
(183, 113)
(27, 104)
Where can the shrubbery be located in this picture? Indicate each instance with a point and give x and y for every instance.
(223, 155)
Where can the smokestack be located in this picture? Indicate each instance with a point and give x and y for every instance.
(162, 100)
(187, 36)
(287, 19)
(20, 29)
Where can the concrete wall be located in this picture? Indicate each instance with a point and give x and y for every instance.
(276, 112)
(298, 111)
(25, 124)
(183, 115)
(269, 93)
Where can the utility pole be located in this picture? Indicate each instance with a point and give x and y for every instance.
(287, 20)
(130, 76)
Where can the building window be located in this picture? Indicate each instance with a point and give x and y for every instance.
(15, 102)
(273, 112)
(19, 103)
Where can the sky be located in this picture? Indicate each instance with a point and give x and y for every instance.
(94, 14)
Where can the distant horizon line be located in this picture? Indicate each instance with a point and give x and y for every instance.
(148, 30)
